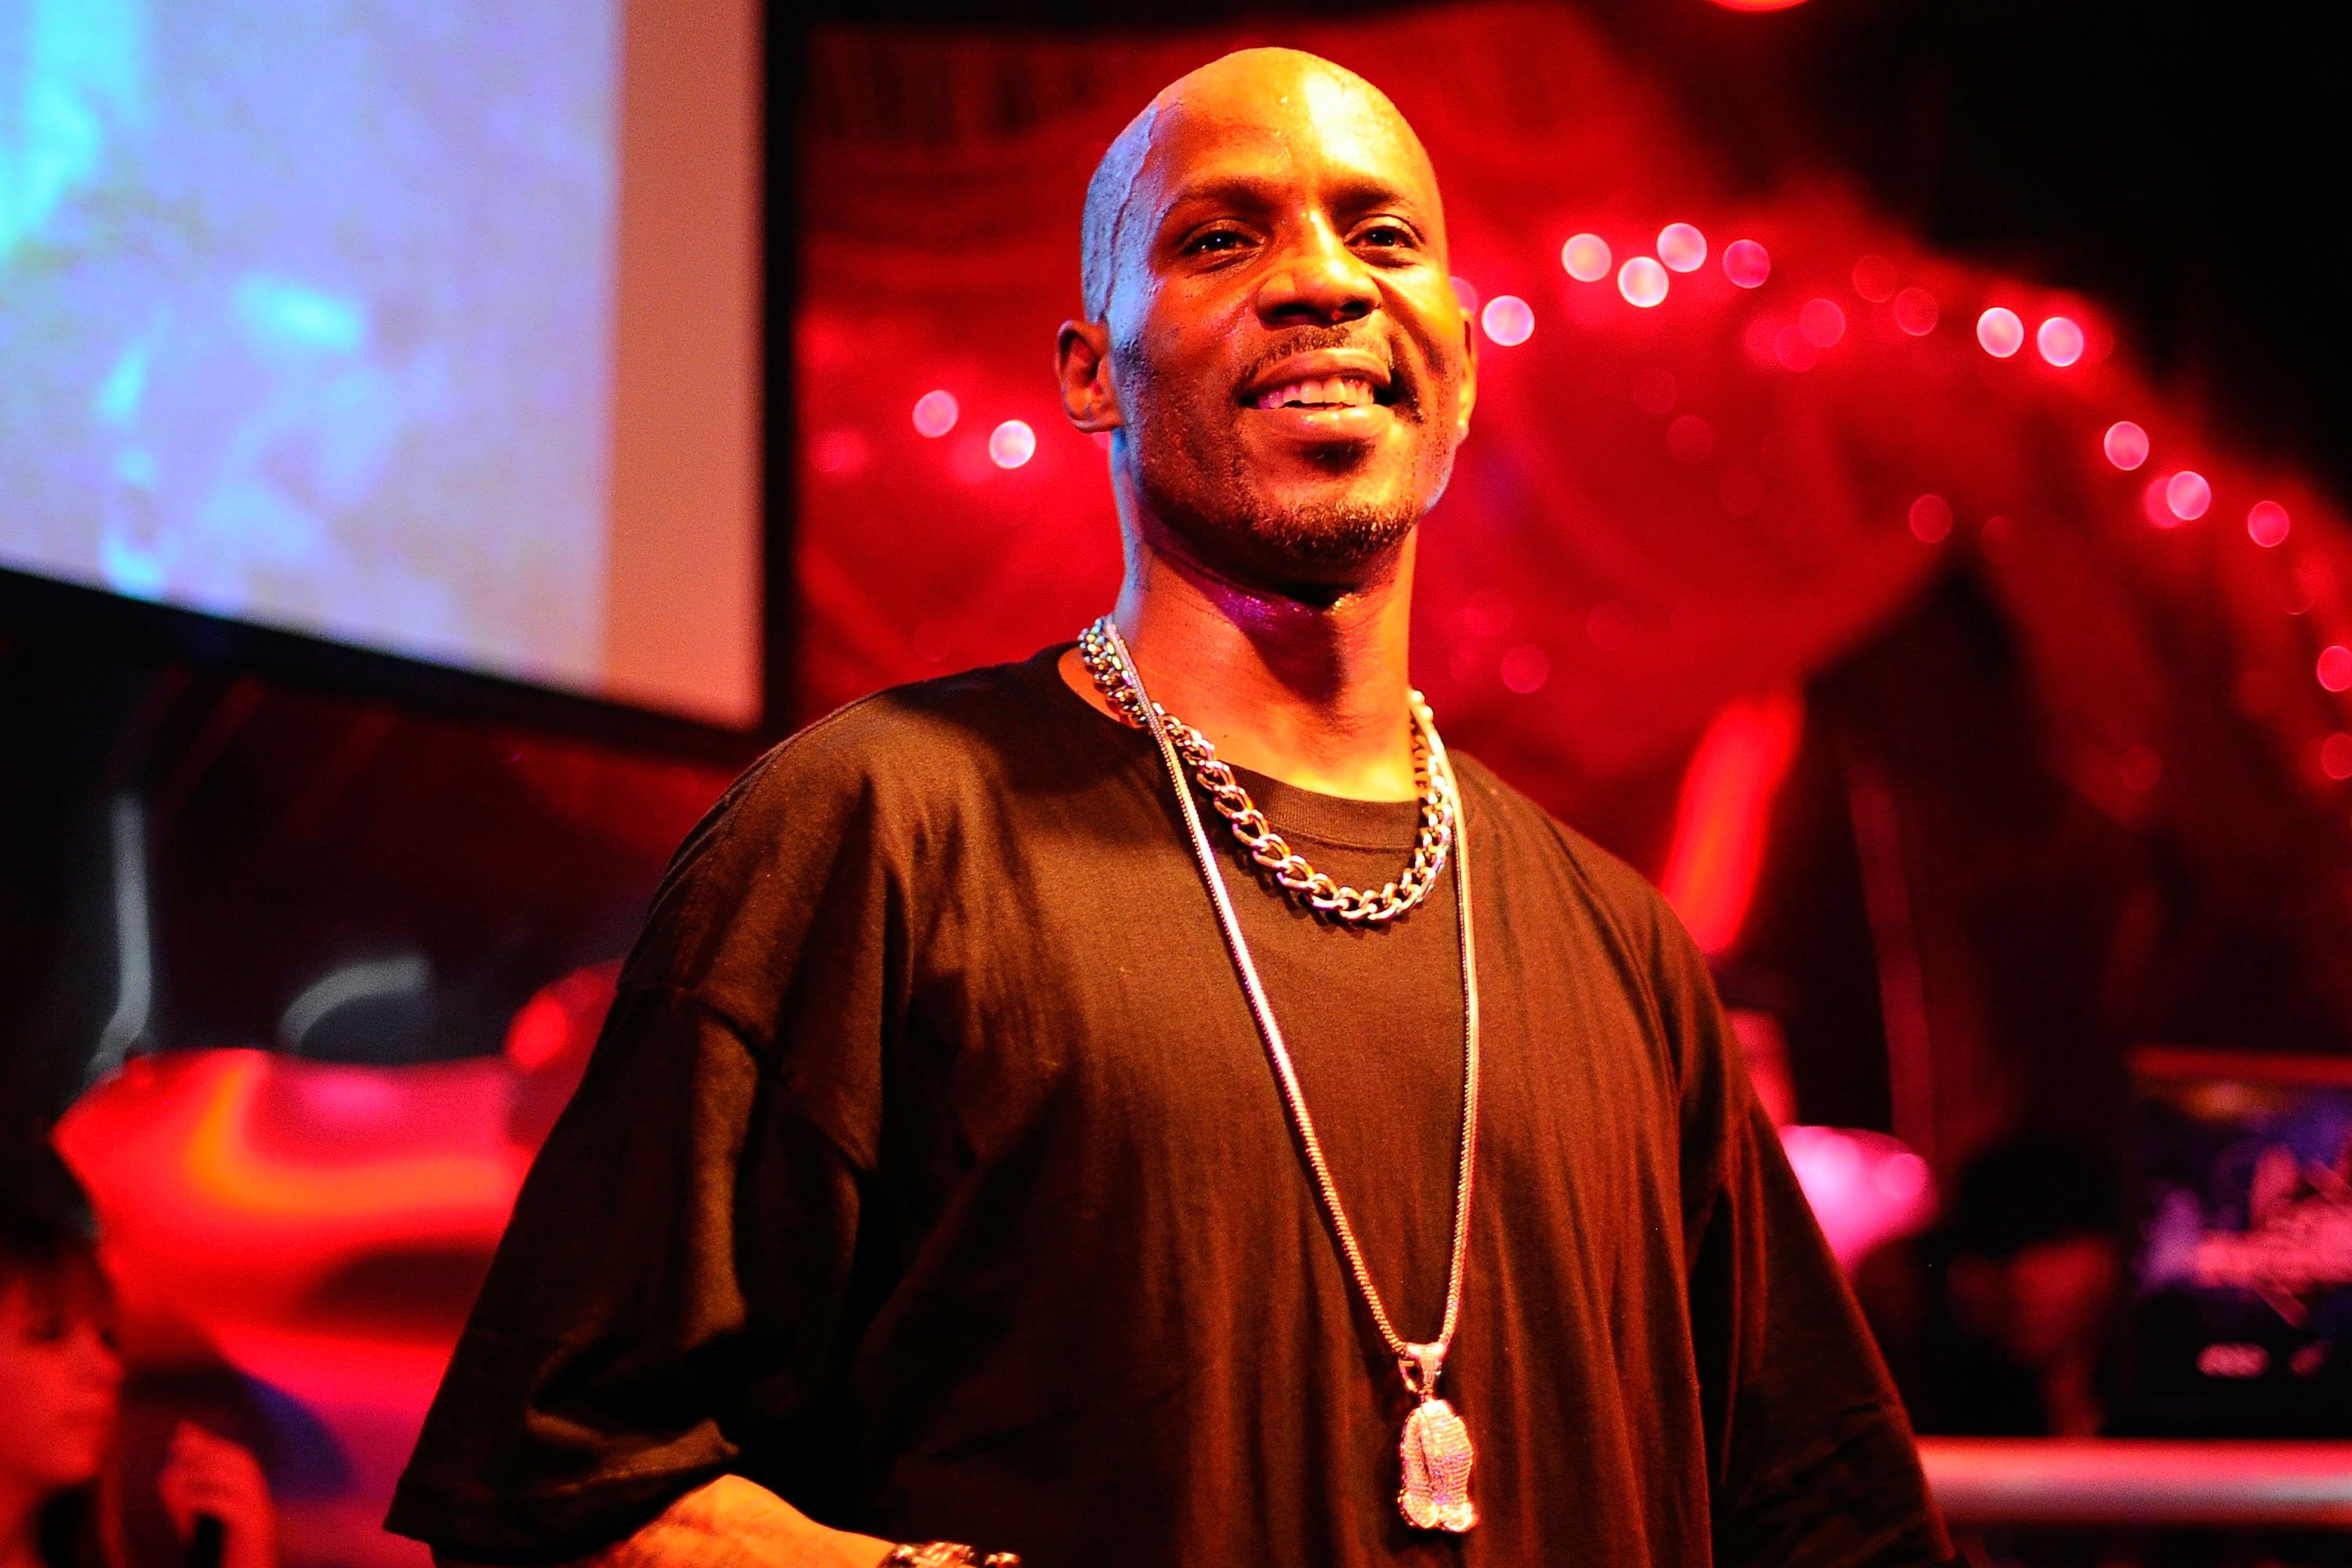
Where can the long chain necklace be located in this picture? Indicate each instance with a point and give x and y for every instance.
(1431, 841)
(1435, 1447)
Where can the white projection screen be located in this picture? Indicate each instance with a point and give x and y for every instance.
(426, 326)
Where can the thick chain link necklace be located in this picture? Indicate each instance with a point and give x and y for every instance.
(1436, 1494)
(1371, 906)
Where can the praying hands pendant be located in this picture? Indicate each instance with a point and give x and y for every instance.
(1437, 1454)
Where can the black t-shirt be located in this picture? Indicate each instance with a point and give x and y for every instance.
(931, 1172)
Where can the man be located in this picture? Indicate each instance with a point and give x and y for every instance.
(974, 1154)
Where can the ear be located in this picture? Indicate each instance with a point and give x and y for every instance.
(1468, 398)
(1082, 358)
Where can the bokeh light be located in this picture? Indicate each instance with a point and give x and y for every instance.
(2000, 332)
(2156, 502)
(1916, 312)
(936, 414)
(2127, 445)
(1509, 320)
(1643, 281)
(1746, 263)
(1682, 248)
(1794, 350)
(1012, 444)
(1874, 279)
(1690, 439)
(1931, 519)
(2267, 524)
(2336, 667)
(2335, 756)
(1465, 294)
(1526, 668)
(1587, 258)
(2060, 339)
(2188, 495)
(1821, 322)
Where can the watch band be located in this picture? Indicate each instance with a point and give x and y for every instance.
(946, 1554)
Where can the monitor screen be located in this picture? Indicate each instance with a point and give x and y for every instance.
(422, 325)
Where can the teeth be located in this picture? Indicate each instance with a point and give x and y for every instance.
(1338, 391)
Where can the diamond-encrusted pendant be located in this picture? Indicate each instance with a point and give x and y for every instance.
(1436, 1450)
(1437, 1458)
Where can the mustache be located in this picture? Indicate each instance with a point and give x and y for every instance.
(1403, 387)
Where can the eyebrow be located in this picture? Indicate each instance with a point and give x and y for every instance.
(1246, 192)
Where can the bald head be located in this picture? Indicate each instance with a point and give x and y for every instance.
(1270, 338)
(1288, 93)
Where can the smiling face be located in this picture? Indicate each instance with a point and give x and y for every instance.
(1273, 336)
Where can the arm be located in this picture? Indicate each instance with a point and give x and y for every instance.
(1810, 1460)
(730, 1523)
(668, 1306)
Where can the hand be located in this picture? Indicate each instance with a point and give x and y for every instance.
(203, 1474)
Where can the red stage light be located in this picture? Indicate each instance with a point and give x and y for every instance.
(2188, 495)
(1724, 817)
(2155, 504)
(2336, 667)
(2267, 523)
(1746, 263)
(1012, 444)
(1931, 519)
(1874, 279)
(936, 414)
(2335, 756)
(2127, 445)
(1526, 668)
(839, 452)
(2141, 768)
(1466, 293)
(1690, 439)
(1795, 350)
(2000, 331)
(1821, 322)
(1682, 248)
(1509, 320)
(2060, 341)
(1916, 312)
(1757, 4)
(1587, 258)
(1655, 390)
(1643, 282)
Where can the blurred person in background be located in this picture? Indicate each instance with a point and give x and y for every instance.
(2003, 1322)
(61, 1377)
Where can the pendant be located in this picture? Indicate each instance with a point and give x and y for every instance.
(1437, 1458)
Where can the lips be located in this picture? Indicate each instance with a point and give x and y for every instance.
(1345, 391)
(1324, 381)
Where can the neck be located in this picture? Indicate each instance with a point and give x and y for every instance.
(19, 1516)
(1312, 693)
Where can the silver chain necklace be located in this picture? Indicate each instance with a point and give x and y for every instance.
(1432, 842)
(1436, 1494)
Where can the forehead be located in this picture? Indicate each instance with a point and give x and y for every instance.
(1312, 134)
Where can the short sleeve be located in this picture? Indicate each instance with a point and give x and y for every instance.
(669, 1298)
(1810, 1460)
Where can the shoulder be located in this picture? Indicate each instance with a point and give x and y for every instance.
(1639, 937)
(893, 751)
(1619, 895)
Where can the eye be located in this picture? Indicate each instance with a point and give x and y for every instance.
(1387, 233)
(1214, 241)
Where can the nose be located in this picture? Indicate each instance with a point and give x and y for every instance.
(97, 1360)
(1317, 281)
